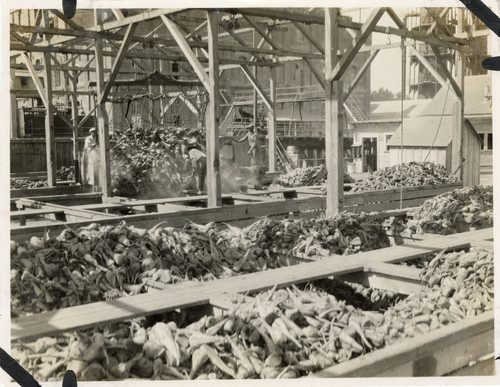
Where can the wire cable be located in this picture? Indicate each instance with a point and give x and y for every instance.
(403, 90)
(440, 121)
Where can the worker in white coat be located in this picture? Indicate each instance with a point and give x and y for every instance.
(90, 158)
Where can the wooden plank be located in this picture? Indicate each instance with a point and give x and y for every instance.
(309, 36)
(67, 200)
(119, 14)
(102, 121)
(428, 66)
(361, 72)
(384, 206)
(21, 216)
(200, 215)
(442, 65)
(212, 118)
(438, 20)
(319, 77)
(118, 62)
(271, 122)
(186, 49)
(256, 84)
(67, 21)
(360, 39)
(261, 32)
(34, 192)
(50, 147)
(393, 194)
(425, 355)
(191, 294)
(332, 113)
(396, 278)
(74, 211)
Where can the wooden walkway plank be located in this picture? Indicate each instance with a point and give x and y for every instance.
(190, 294)
(434, 354)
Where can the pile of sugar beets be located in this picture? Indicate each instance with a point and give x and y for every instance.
(280, 333)
(316, 325)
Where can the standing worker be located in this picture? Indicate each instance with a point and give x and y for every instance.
(90, 158)
(252, 141)
(199, 161)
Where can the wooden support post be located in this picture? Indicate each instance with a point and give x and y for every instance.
(186, 50)
(50, 140)
(271, 121)
(455, 84)
(333, 117)
(13, 116)
(360, 39)
(457, 155)
(254, 100)
(74, 117)
(212, 115)
(360, 73)
(428, 66)
(117, 63)
(102, 121)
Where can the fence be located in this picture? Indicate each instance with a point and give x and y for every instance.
(28, 155)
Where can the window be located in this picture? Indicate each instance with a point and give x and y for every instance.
(387, 138)
(175, 68)
(490, 140)
(24, 81)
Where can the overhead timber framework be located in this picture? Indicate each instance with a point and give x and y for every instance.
(192, 38)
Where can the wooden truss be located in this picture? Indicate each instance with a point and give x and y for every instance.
(196, 51)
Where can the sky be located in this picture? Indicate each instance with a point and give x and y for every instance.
(386, 67)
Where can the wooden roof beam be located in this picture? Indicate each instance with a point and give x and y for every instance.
(239, 40)
(395, 18)
(67, 21)
(444, 69)
(438, 21)
(261, 32)
(428, 66)
(257, 86)
(38, 20)
(184, 46)
(189, 104)
(118, 14)
(131, 59)
(196, 30)
(360, 73)
(320, 78)
(360, 39)
(41, 91)
(19, 38)
(118, 62)
(136, 55)
(308, 36)
(146, 15)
